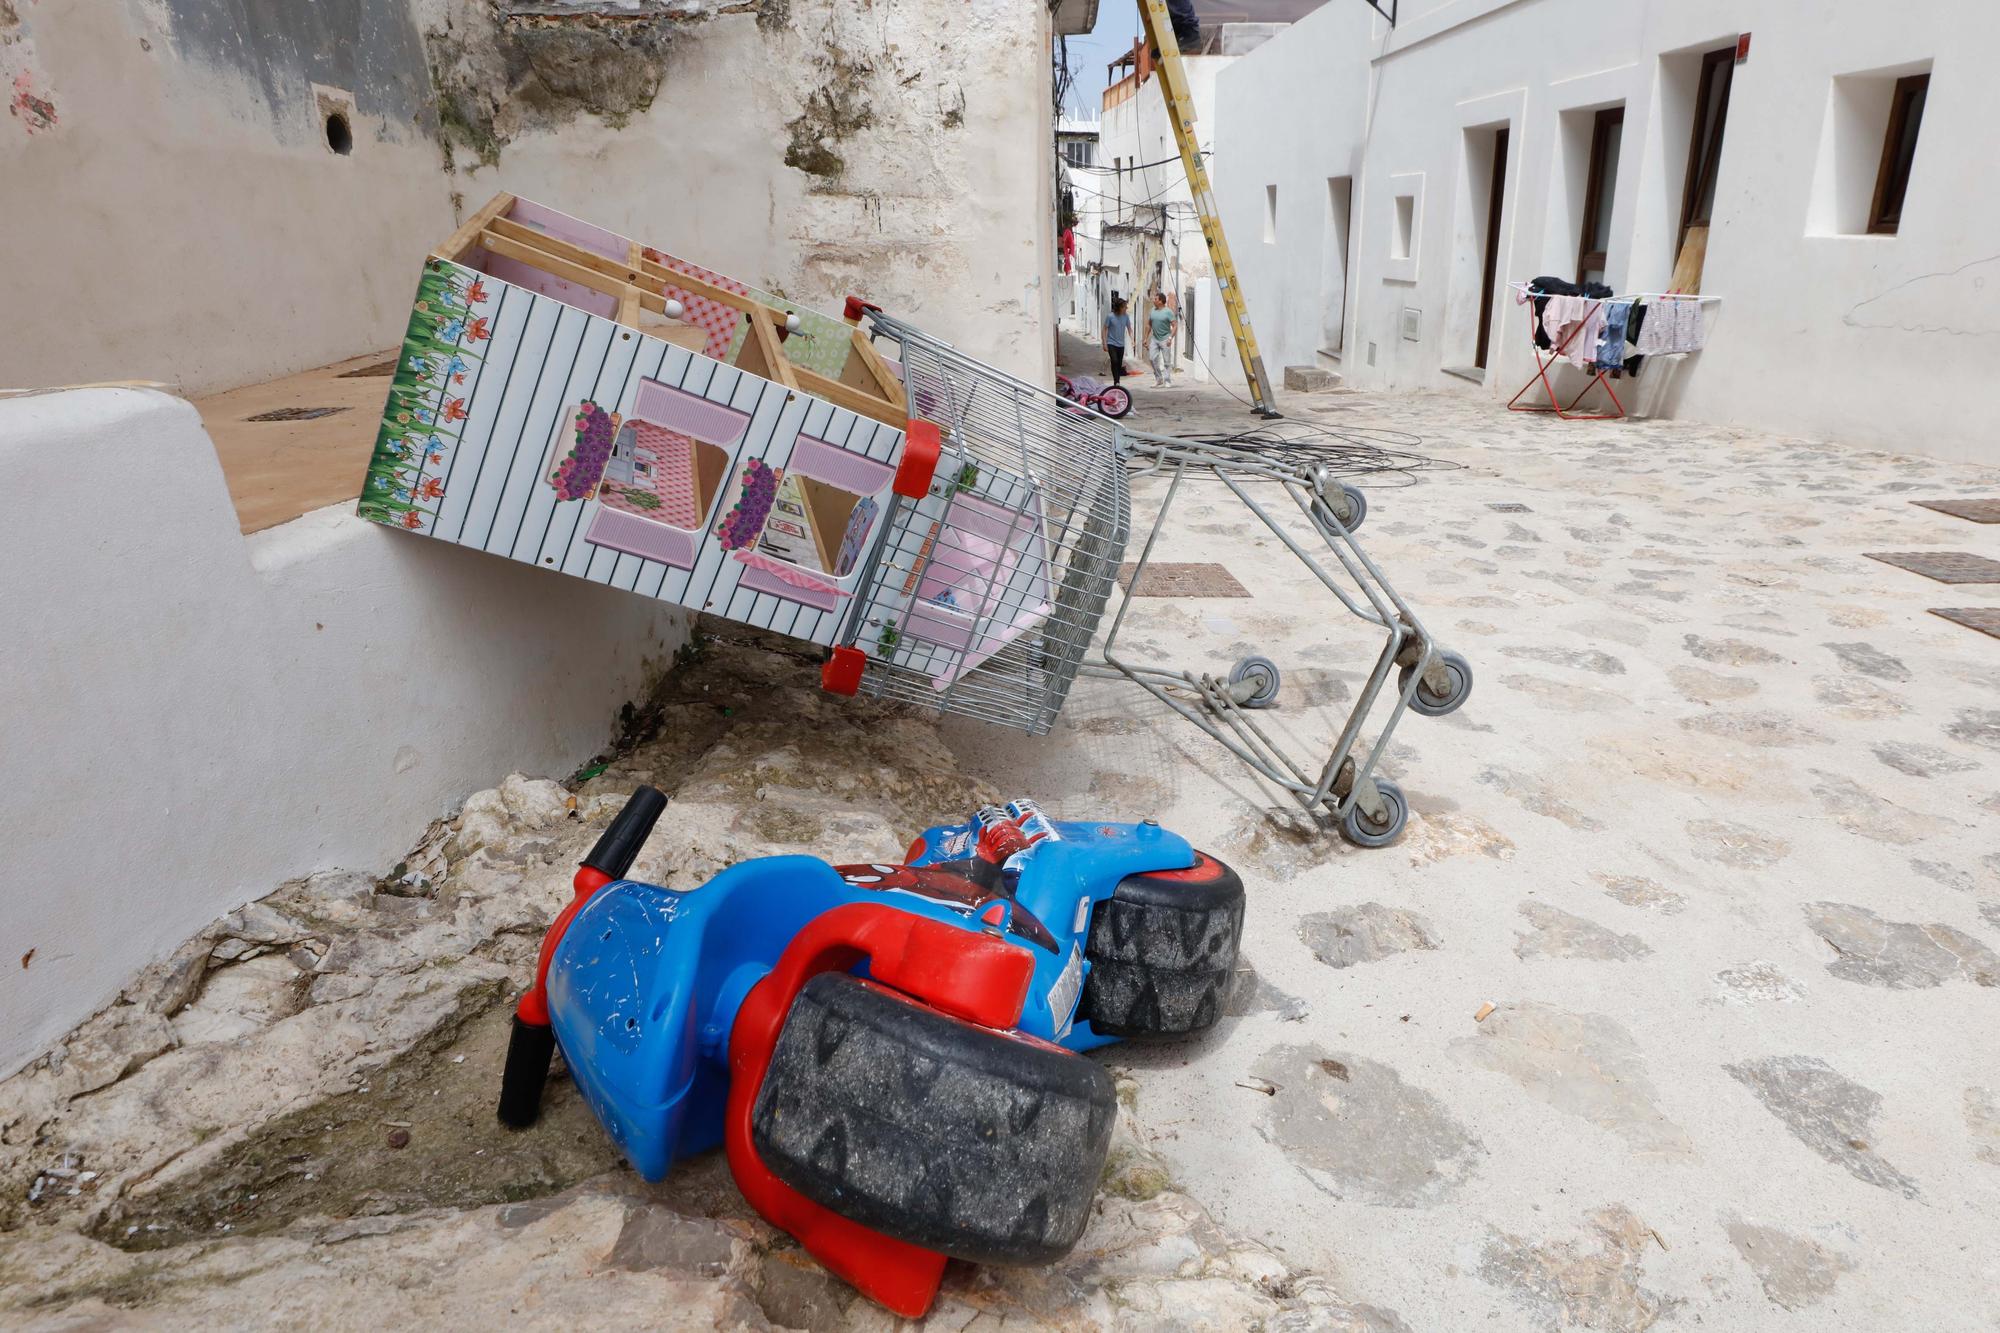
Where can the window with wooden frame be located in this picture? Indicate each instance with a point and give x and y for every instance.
(1600, 184)
(1711, 110)
(1899, 152)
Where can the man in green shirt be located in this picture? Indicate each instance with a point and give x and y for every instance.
(1160, 324)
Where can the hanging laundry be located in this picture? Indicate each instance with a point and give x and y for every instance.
(1656, 333)
(1582, 349)
(1560, 314)
(1688, 332)
(1611, 348)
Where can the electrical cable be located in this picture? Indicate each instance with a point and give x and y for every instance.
(1340, 451)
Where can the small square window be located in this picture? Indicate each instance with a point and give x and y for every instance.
(1899, 153)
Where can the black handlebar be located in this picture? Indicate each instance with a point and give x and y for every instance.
(618, 846)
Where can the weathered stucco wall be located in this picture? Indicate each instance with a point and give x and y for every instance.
(811, 147)
(175, 211)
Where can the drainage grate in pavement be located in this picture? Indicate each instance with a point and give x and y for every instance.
(1510, 508)
(1944, 566)
(1165, 579)
(296, 414)
(380, 368)
(1979, 511)
(1985, 619)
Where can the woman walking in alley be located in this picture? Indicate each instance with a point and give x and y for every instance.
(1117, 325)
(1161, 322)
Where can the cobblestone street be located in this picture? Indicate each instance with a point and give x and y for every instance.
(1714, 835)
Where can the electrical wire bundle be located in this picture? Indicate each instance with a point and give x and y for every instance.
(1347, 451)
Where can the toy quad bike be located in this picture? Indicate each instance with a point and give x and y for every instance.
(1113, 400)
(887, 1052)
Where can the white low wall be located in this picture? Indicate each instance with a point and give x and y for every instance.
(189, 716)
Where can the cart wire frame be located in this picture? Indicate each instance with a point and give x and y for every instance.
(985, 595)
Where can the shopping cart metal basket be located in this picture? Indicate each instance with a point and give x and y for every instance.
(986, 594)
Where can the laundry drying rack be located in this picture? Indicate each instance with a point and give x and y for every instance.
(1558, 350)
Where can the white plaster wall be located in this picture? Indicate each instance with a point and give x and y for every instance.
(1880, 341)
(192, 717)
(170, 226)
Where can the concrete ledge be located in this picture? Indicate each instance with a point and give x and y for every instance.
(1311, 379)
(192, 717)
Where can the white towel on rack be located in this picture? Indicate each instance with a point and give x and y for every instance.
(1690, 326)
(1663, 315)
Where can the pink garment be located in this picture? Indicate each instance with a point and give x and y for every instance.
(1560, 314)
(1582, 349)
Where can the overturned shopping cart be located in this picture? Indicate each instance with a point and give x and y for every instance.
(985, 595)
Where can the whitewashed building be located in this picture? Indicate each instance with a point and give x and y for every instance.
(1382, 186)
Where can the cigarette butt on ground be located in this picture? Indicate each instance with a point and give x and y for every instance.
(1484, 1010)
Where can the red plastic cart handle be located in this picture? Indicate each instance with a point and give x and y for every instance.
(968, 975)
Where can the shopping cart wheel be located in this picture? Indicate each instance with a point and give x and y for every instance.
(980, 1144)
(1254, 682)
(1115, 401)
(1162, 950)
(1357, 508)
(1359, 828)
(1435, 703)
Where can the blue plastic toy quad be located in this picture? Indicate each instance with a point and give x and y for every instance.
(888, 1053)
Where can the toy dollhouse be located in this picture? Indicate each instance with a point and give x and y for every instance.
(573, 399)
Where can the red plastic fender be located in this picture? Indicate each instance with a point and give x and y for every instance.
(969, 975)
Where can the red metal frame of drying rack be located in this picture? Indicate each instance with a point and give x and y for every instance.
(1555, 352)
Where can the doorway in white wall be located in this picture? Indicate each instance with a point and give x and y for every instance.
(1333, 266)
(1473, 263)
(1496, 198)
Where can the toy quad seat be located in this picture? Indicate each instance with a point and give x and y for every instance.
(888, 1053)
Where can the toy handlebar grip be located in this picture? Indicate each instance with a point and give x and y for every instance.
(529, 1049)
(618, 846)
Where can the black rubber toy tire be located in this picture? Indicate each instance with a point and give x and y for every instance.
(979, 1144)
(1162, 950)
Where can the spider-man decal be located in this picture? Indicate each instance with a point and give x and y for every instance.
(970, 884)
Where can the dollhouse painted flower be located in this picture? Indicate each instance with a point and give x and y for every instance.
(476, 292)
(577, 475)
(745, 521)
(478, 331)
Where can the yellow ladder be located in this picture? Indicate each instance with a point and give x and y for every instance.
(1180, 111)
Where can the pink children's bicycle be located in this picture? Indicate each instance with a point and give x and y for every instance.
(1113, 400)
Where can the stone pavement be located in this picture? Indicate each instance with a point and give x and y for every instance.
(1714, 837)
